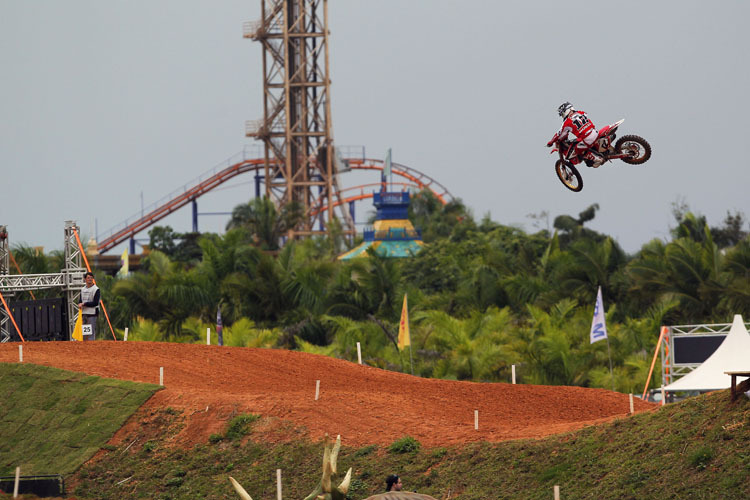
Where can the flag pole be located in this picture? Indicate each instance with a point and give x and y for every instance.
(599, 330)
(611, 375)
(411, 360)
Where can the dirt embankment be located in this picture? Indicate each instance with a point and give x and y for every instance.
(364, 405)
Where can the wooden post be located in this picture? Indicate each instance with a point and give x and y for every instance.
(208, 336)
(513, 373)
(126, 334)
(15, 484)
(663, 396)
(476, 420)
(359, 354)
(556, 491)
(631, 403)
(317, 389)
(161, 375)
(20, 354)
(278, 484)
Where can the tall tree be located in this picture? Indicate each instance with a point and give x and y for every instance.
(267, 224)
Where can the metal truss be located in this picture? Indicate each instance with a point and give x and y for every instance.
(25, 282)
(70, 279)
(300, 164)
(4, 265)
(670, 370)
(4, 251)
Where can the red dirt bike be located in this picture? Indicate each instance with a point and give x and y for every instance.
(631, 149)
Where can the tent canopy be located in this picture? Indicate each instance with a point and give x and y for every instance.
(732, 355)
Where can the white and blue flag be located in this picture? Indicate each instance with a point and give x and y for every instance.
(598, 327)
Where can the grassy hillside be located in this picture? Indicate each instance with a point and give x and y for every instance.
(52, 420)
(696, 449)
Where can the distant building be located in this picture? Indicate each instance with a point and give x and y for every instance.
(392, 234)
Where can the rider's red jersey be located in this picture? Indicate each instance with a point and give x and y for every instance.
(578, 123)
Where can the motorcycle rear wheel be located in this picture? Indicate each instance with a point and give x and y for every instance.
(638, 148)
(569, 175)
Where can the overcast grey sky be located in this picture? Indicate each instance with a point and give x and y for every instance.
(101, 102)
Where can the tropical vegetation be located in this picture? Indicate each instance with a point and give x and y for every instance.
(482, 296)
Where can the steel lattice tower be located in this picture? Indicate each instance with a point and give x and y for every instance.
(296, 126)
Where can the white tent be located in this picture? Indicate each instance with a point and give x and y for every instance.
(732, 355)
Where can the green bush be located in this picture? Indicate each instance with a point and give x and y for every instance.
(365, 451)
(239, 426)
(700, 458)
(406, 444)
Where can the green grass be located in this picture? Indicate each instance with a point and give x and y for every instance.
(696, 449)
(52, 420)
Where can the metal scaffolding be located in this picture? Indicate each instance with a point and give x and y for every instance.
(70, 279)
(672, 368)
(300, 163)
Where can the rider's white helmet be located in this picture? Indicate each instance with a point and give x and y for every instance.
(565, 109)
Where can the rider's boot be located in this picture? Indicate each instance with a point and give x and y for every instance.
(593, 160)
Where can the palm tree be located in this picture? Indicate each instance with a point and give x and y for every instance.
(165, 293)
(266, 223)
(555, 347)
(685, 269)
(528, 277)
(471, 349)
(736, 295)
(381, 284)
(587, 265)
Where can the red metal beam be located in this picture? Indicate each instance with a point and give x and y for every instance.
(418, 180)
(178, 202)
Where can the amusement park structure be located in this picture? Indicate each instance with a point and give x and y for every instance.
(245, 162)
(299, 163)
(296, 127)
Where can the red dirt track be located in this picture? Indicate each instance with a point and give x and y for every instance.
(364, 405)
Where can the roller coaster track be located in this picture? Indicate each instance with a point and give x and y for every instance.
(244, 162)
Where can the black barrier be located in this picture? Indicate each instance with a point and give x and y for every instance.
(43, 319)
(46, 485)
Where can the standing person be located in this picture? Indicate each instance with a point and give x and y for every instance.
(89, 305)
(393, 483)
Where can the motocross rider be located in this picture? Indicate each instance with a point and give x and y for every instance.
(584, 130)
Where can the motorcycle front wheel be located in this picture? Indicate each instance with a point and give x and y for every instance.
(636, 147)
(569, 175)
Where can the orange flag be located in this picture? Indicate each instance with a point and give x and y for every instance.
(403, 328)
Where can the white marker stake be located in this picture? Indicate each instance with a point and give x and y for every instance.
(161, 375)
(317, 389)
(631, 403)
(557, 492)
(513, 372)
(663, 396)
(20, 354)
(126, 334)
(476, 420)
(278, 484)
(15, 485)
(208, 336)
(359, 354)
